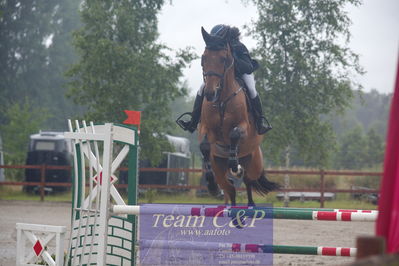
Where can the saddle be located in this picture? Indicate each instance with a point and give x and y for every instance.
(244, 87)
(250, 108)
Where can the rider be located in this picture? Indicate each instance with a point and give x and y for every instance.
(244, 68)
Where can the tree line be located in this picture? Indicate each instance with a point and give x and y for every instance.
(358, 135)
(361, 132)
(94, 59)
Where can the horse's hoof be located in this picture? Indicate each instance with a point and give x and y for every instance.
(251, 204)
(213, 190)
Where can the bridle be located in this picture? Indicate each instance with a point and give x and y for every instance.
(221, 105)
(220, 76)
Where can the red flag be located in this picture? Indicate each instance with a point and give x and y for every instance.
(388, 205)
(133, 118)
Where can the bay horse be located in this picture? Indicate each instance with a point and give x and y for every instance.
(227, 133)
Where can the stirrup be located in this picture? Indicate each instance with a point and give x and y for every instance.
(268, 126)
(180, 121)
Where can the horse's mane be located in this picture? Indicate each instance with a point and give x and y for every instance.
(230, 34)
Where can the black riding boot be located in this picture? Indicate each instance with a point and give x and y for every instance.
(195, 115)
(261, 127)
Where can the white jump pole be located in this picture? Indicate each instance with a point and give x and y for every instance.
(255, 212)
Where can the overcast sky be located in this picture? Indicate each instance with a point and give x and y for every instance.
(375, 34)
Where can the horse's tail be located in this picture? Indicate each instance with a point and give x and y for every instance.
(263, 186)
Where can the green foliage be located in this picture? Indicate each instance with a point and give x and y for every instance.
(122, 67)
(368, 109)
(358, 150)
(352, 149)
(304, 71)
(150, 195)
(61, 56)
(22, 121)
(372, 182)
(34, 50)
(374, 149)
(368, 113)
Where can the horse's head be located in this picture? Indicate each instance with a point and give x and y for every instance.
(216, 61)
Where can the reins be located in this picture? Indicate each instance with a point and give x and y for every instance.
(223, 104)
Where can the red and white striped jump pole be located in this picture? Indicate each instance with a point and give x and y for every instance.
(267, 213)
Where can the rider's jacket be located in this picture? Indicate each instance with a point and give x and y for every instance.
(244, 64)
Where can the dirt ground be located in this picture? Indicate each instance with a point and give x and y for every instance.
(286, 232)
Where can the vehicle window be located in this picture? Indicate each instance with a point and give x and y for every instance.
(45, 146)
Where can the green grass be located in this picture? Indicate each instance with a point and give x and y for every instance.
(343, 201)
(16, 193)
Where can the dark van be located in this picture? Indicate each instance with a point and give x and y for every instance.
(49, 148)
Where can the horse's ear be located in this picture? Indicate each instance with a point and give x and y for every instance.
(205, 35)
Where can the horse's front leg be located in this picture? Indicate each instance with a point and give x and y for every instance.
(219, 166)
(235, 135)
(205, 148)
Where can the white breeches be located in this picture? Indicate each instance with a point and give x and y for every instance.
(249, 80)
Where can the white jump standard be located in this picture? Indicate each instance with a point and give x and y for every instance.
(96, 237)
(38, 246)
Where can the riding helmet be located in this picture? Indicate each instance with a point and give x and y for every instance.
(219, 30)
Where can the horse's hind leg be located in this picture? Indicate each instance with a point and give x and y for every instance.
(205, 148)
(248, 185)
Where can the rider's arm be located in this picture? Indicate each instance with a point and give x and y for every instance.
(244, 63)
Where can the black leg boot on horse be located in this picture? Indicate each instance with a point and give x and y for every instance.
(192, 124)
(205, 148)
(262, 125)
(235, 136)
